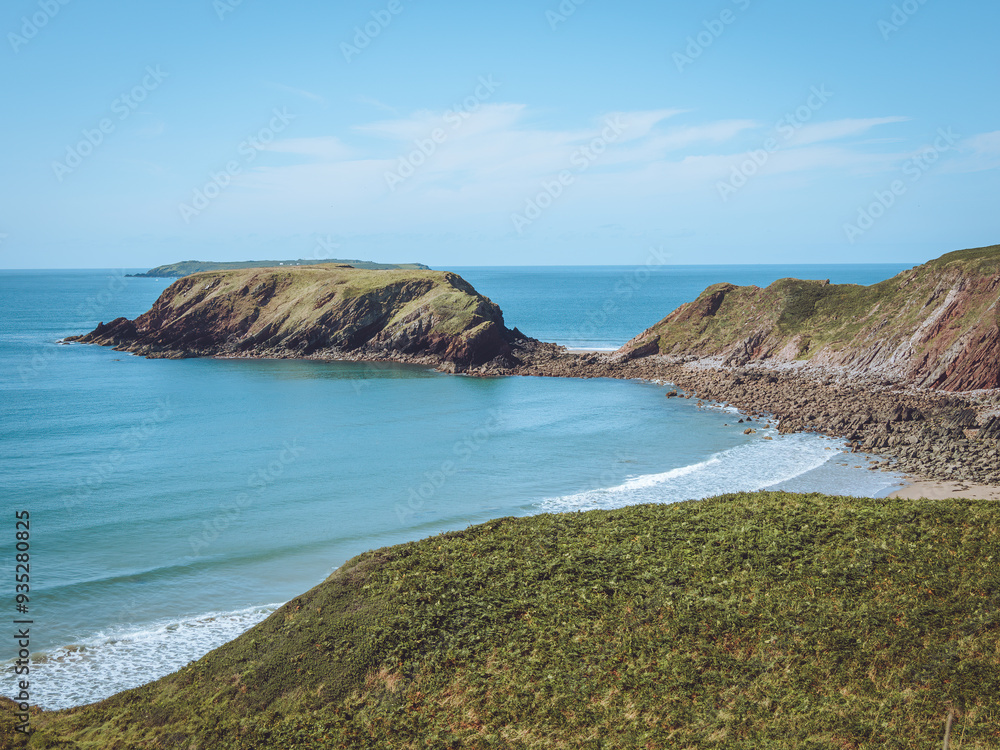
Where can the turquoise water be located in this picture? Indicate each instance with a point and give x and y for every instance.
(174, 503)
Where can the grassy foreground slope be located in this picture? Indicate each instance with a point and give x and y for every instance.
(756, 620)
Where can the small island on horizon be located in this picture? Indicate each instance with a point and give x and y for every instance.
(188, 267)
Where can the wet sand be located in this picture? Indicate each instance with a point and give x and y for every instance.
(933, 489)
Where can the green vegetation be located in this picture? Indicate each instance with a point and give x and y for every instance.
(800, 306)
(188, 267)
(756, 620)
(827, 314)
(983, 259)
(326, 304)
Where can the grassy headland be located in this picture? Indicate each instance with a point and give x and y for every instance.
(934, 325)
(313, 311)
(758, 620)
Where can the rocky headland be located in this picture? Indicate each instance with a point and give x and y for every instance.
(324, 311)
(933, 326)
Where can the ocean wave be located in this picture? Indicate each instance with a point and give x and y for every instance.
(745, 468)
(123, 658)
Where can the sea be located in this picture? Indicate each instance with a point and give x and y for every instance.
(173, 504)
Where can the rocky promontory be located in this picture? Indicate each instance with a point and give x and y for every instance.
(335, 312)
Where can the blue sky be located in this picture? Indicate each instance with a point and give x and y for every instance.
(722, 131)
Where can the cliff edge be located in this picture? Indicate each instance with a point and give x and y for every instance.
(935, 325)
(335, 311)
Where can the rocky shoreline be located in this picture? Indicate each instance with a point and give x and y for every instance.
(921, 432)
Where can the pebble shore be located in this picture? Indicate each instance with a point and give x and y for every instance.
(927, 434)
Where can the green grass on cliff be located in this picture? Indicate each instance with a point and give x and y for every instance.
(831, 316)
(825, 314)
(757, 620)
(980, 259)
(286, 300)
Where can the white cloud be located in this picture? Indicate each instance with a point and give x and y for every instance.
(641, 123)
(489, 161)
(977, 153)
(378, 105)
(328, 148)
(487, 118)
(299, 92)
(836, 129)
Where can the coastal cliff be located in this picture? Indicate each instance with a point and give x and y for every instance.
(934, 326)
(323, 311)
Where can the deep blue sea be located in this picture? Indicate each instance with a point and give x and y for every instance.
(175, 503)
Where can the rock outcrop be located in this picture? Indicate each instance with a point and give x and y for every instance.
(934, 326)
(318, 311)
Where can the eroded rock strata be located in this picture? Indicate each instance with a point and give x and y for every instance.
(933, 326)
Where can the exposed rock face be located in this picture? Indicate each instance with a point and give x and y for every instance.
(425, 316)
(935, 325)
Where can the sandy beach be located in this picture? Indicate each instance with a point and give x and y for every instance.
(940, 490)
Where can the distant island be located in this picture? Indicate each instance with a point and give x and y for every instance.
(188, 267)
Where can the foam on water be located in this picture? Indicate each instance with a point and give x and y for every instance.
(761, 464)
(120, 659)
